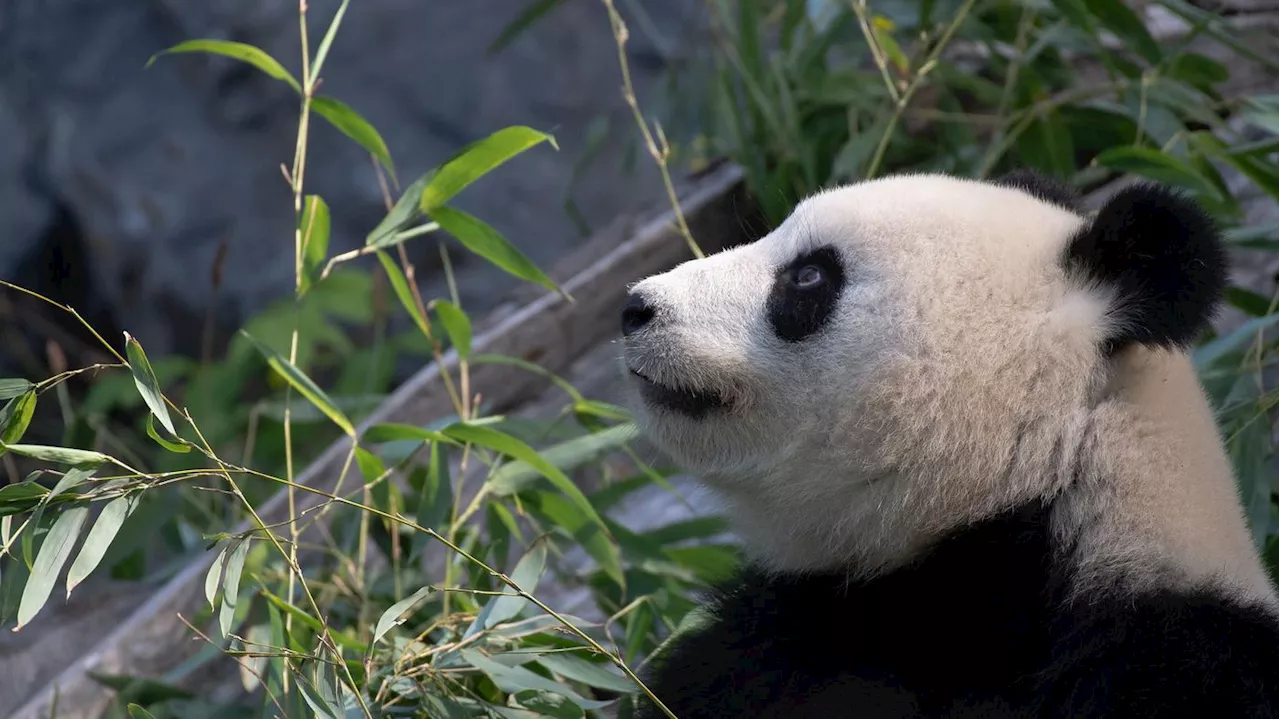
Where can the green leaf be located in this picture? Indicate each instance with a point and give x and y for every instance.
(371, 467)
(506, 444)
(49, 560)
(1154, 165)
(532, 12)
(323, 51)
(20, 497)
(514, 679)
(511, 478)
(1120, 19)
(590, 673)
(401, 287)
(172, 446)
(231, 585)
(526, 575)
(238, 51)
(435, 496)
(74, 477)
(342, 638)
(1215, 349)
(10, 388)
(321, 706)
(303, 384)
(546, 704)
(567, 516)
(16, 416)
(394, 616)
(350, 123)
(457, 325)
(57, 455)
(391, 432)
(137, 712)
(476, 160)
(882, 28)
(485, 241)
(1262, 110)
(99, 539)
(213, 578)
(404, 211)
(315, 226)
(148, 386)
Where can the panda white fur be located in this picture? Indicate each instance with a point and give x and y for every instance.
(957, 427)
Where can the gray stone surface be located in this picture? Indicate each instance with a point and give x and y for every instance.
(160, 166)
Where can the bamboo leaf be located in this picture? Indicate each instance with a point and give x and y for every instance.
(238, 51)
(52, 556)
(315, 224)
(476, 160)
(303, 384)
(57, 455)
(485, 241)
(16, 416)
(145, 378)
(350, 123)
(394, 616)
(401, 287)
(10, 388)
(526, 575)
(457, 325)
(101, 535)
(231, 585)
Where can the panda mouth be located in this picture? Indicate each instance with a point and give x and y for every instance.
(692, 403)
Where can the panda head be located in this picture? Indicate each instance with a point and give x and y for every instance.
(907, 354)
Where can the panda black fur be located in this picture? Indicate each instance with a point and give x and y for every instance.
(959, 431)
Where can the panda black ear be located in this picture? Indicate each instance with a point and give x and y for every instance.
(1165, 259)
(1041, 187)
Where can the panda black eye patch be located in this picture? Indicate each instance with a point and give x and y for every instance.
(805, 293)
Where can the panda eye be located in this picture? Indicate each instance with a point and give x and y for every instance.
(808, 277)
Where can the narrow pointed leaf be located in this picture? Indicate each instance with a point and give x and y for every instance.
(476, 160)
(303, 385)
(350, 123)
(506, 444)
(73, 478)
(169, 444)
(401, 287)
(516, 679)
(323, 51)
(101, 535)
(394, 616)
(231, 585)
(57, 455)
(485, 241)
(52, 556)
(15, 416)
(213, 579)
(526, 575)
(137, 712)
(236, 50)
(404, 211)
(145, 378)
(590, 673)
(321, 707)
(511, 478)
(457, 325)
(390, 432)
(1155, 165)
(315, 225)
(10, 388)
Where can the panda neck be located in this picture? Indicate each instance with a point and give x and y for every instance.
(1154, 499)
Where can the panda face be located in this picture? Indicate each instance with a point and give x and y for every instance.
(819, 375)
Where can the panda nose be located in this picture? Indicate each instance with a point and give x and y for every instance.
(636, 314)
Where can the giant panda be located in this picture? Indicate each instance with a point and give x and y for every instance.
(957, 428)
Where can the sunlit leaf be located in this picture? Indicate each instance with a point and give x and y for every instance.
(476, 160)
(404, 211)
(394, 616)
(213, 578)
(73, 478)
(169, 444)
(485, 241)
(303, 385)
(401, 287)
(145, 378)
(516, 679)
(99, 539)
(237, 50)
(315, 224)
(49, 561)
(600, 676)
(16, 416)
(391, 432)
(566, 456)
(350, 123)
(457, 325)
